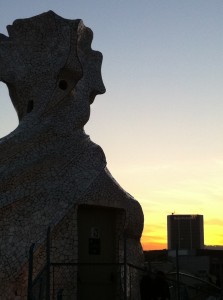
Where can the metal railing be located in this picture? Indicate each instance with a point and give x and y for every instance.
(39, 287)
(58, 281)
(191, 287)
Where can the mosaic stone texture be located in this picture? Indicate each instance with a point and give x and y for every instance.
(48, 165)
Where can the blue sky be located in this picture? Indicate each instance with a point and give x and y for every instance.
(160, 122)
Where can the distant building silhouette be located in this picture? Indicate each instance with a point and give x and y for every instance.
(185, 232)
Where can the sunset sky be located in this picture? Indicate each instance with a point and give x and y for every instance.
(160, 123)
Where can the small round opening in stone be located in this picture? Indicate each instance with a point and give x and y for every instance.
(63, 84)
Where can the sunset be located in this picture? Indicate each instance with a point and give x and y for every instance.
(160, 122)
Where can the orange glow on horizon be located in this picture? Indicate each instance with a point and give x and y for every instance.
(153, 246)
(157, 240)
(153, 242)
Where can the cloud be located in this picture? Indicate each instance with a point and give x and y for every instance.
(155, 238)
(149, 227)
(154, 246)
(214, 222)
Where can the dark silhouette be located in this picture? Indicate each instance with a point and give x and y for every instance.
(161, 287)
(146, 287)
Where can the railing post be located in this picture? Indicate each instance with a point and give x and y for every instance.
(60, 294)
(30, 273)
(177, 259)
(221, 278)
(48, 264)
(125, 267)
(178, 275)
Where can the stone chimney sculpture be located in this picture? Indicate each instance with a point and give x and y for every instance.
(51, 173)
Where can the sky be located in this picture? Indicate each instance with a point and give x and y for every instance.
(160, 122)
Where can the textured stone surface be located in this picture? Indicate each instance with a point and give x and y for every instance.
(48, 165)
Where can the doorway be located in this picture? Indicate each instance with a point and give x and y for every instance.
(97, 253)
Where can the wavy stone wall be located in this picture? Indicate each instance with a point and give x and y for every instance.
(48, 165)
